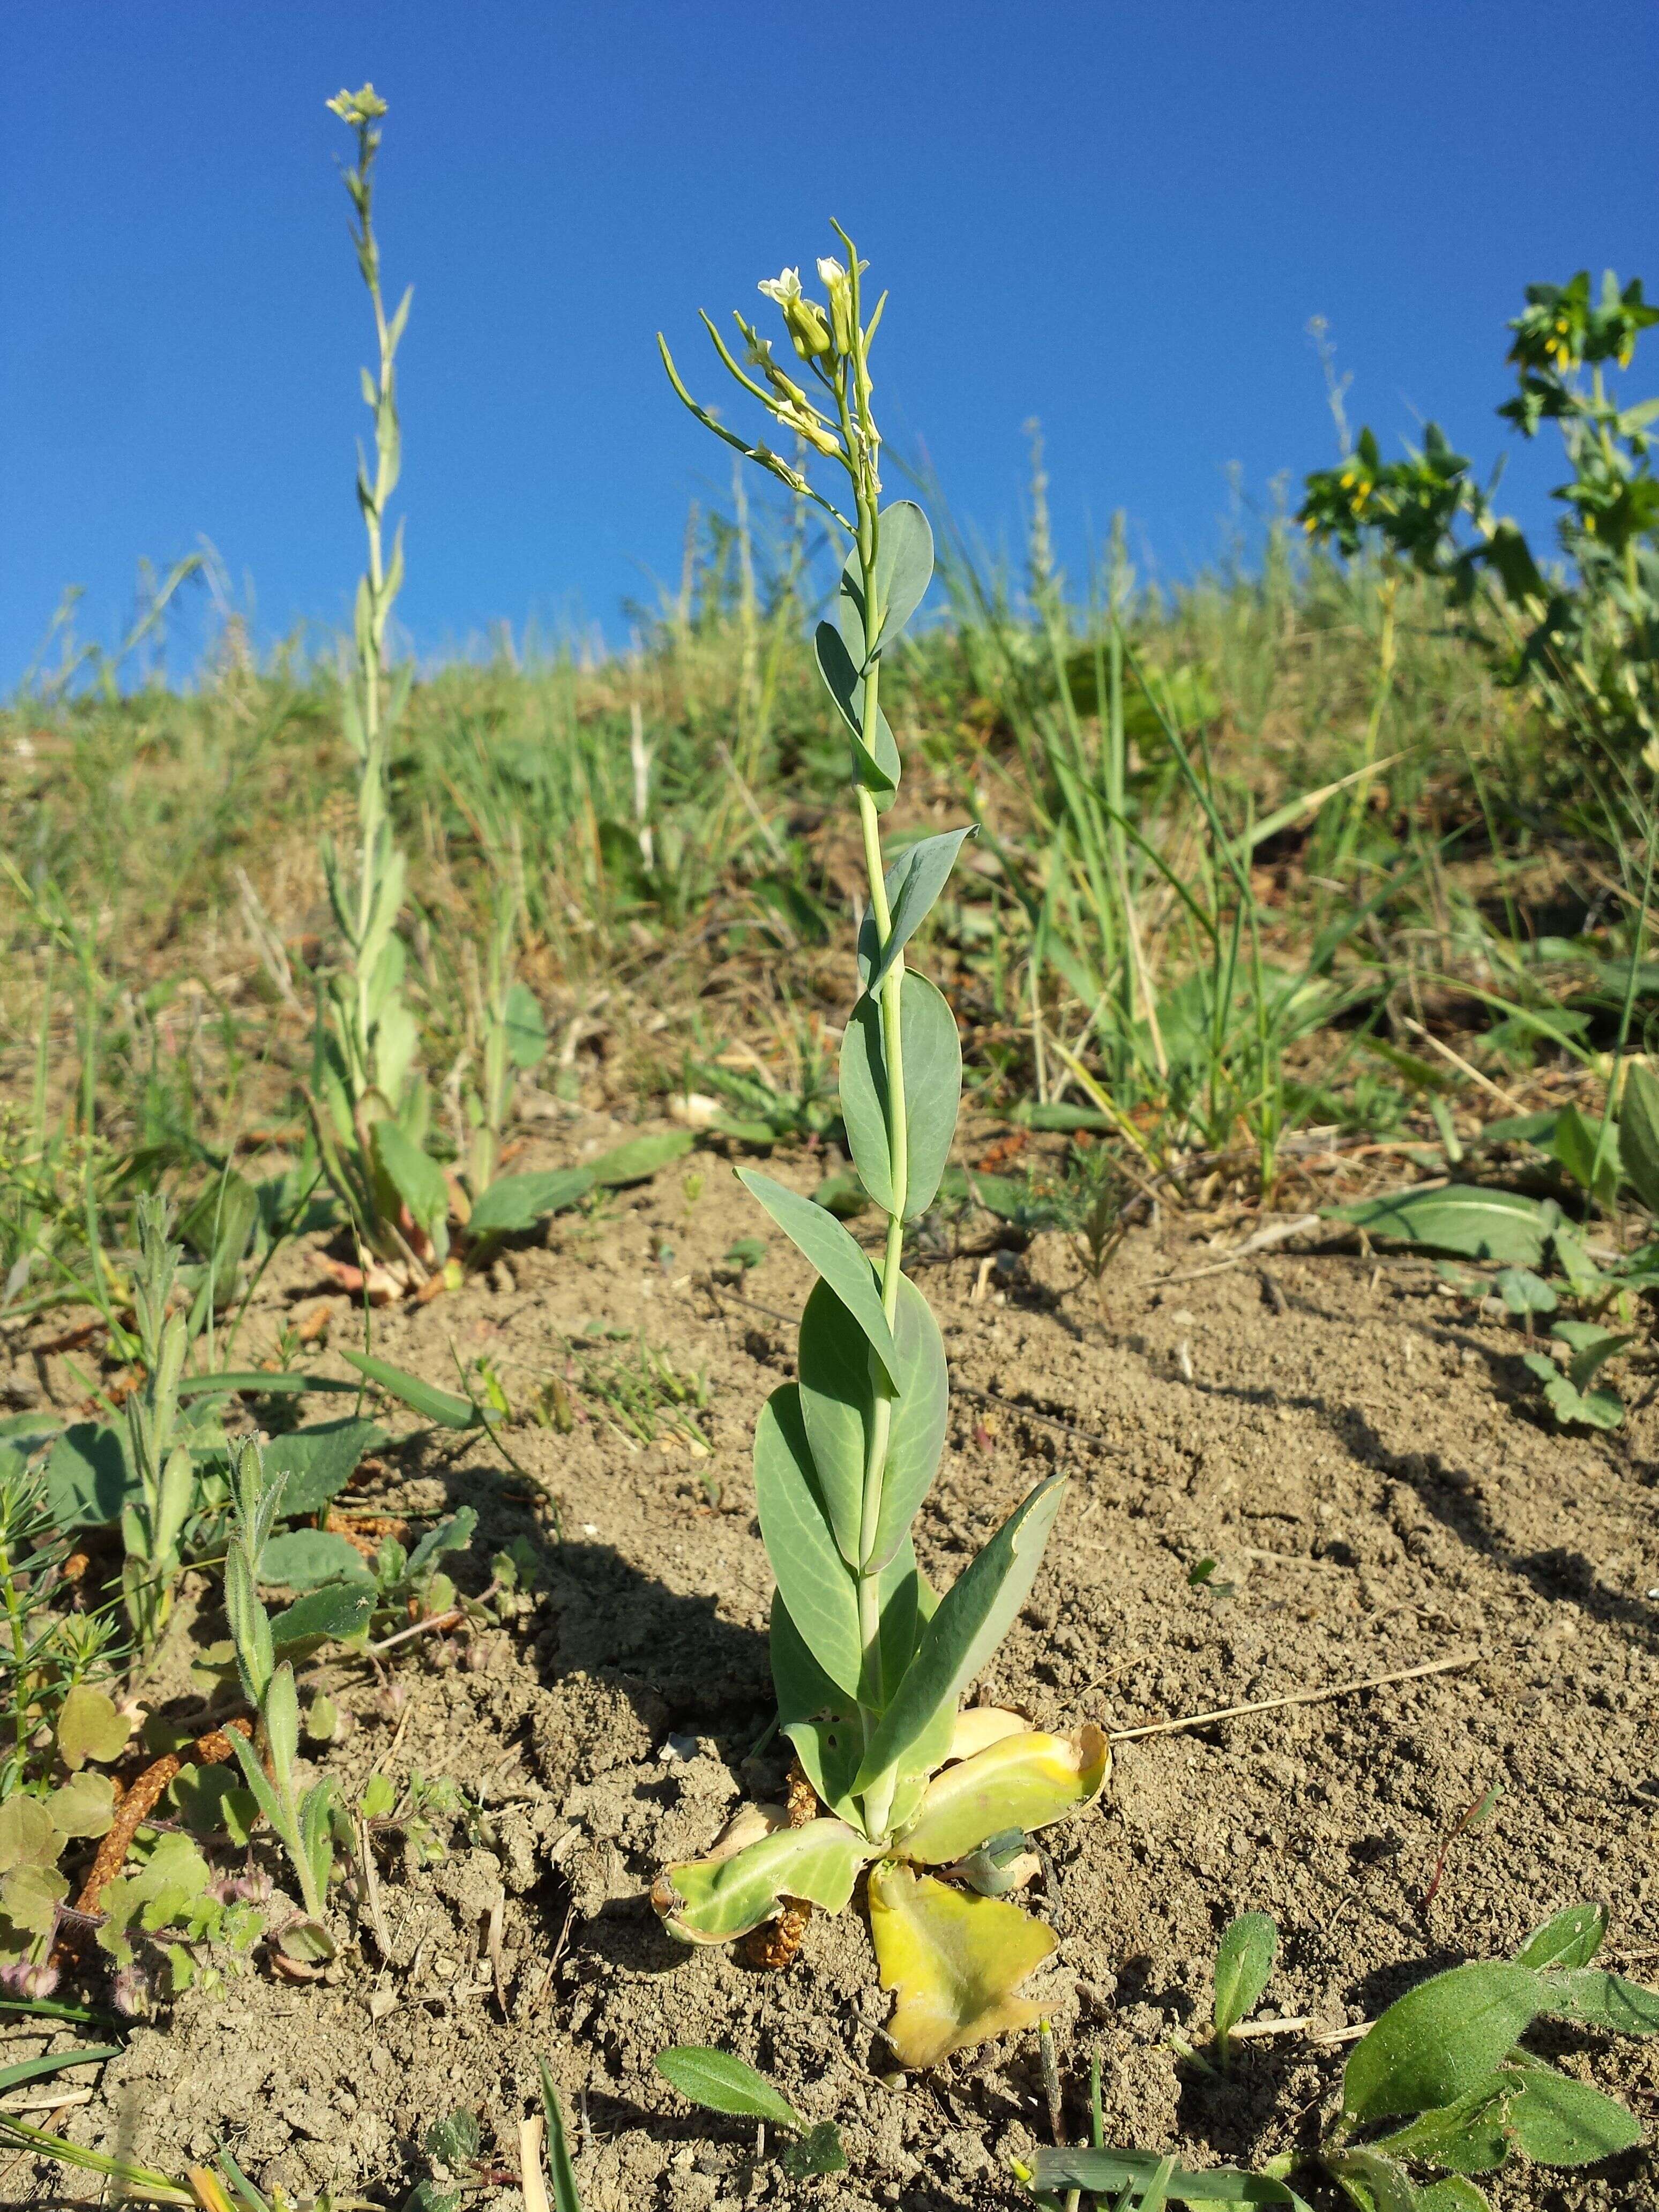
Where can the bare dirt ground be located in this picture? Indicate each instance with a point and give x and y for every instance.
(1370, 1471)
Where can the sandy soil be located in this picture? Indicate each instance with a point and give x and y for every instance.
(1368, 1466)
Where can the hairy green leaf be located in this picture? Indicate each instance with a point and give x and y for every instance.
(1244, 1960)
(517, 1202)
(1572, 1938)
(722, 2082)
(641, 1158)
(1440, 2041)
(1469, 2137)
(316, 1463)
(1559, 2122)
(301, 1559)
(1108, 2173)
(1600, 2000)
(329, 1614)
(1473, 1223)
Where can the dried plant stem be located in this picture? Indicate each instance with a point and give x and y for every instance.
(1295, 1698)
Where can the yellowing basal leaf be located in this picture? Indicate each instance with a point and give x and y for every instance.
(1022, 1782)
(710, 1900)
(954, 1960)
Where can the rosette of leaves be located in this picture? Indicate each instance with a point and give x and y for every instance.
(931, 1805)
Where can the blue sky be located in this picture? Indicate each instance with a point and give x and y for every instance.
(1118, 218)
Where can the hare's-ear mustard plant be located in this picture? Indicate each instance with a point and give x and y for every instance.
(869, 1663)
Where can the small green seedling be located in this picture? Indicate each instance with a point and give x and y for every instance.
(1474, 1816)
(560, 2168)
(1243, 1961)
(869, 1663)
(723, 2083)
(1574, 1397)
(746, 1254)
(1442, 2082)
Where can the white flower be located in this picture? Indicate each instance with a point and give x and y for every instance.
(829, 271)
(784, 288)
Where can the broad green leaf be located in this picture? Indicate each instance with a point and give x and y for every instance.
(954, 1960)
(904, 568)
(832, 1251)
(818, 2150)
(817, 1585)
(89, 1726)
(1595, 1409)
(1110, 2171)
(441, 1408)
(1600, 2000)
(1472, 1222)
(1244, 1960)
(933, 1093)
(1639, 1134)
(83, 1806)
(30, 1836)
(1523, 1292)
(30, 1897)
(89, 1477)
(561, 2172)
(710, 1900)
(301, 1559)
(210, 1798)
(1023, 1781)
(972, 1617)
(526, 1029)
(328, 1615)
(1440, 2041)
(1572, 1938)
(514, 1203)
(1591, 1346)
(641, 1158)
(876, 759)
(1469, 2137)
(1454, 2194)
(913, 882)
(725, 2083)
(1559, 2122)
(453, 1534)
(1573, 1142)
(316, 1463)
(418, 1181)
(1374, 2180)
(838, 1406)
